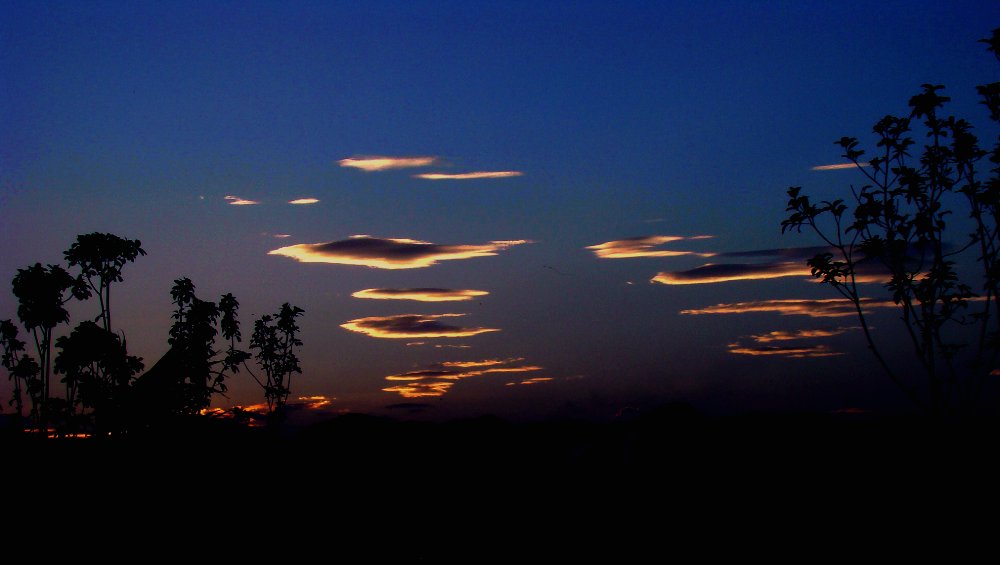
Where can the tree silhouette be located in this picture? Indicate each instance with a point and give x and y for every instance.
(99, 373)
(101, 258)
(900, 219)
(275, 339)
(42, 293)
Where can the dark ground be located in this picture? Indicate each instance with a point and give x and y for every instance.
(666, 478)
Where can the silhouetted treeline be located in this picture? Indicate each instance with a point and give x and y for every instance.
(105, 391)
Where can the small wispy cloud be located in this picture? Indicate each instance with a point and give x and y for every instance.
(823, 308)
(389, 253)
(420, 294)
(410, 326)
(644, 246)
(439, 378)
(237, 201)
(795, 335)
(839, 166)
(282, 235)
(371, 163)
(469, 176)
(533, 381)
(303, 201)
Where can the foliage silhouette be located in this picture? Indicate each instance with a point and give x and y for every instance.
(100, 258)
(42, 294)
(275, 339)
(900, 218)
(102, 393)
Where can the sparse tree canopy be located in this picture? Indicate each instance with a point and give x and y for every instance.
(943, 270)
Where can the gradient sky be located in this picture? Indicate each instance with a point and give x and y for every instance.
(192, 125)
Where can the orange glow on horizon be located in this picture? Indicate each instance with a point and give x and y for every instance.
(468, 176)
(420, 294)
(382, 163)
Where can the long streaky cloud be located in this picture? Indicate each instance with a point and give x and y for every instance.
(237, 201)
(301, 201)
(794, 352)
(823, 308)
(469, 176)
(439, 378)
(644, 246)
(716, 273)
(371, 163)
(412, 326)
(420, 294)
(839, 166)
(389, 253)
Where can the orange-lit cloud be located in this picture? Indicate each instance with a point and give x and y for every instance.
(315, 402)
(643, 246)
(381, 163)
(468, 176)
(839, 166)
(534, 381)
(282, 235)
(388, 253)
(784, 335)
(712, 273)
(237, 201)
(409, 326)
(300, 201)
(793, 352)
(437, 379)
(420, 294)
(824, 308)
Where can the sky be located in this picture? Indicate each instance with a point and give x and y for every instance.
(482, 207)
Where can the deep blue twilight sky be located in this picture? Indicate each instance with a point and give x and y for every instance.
(625, 120)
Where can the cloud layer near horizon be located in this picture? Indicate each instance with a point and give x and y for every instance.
(388, 253)
(439, 378)
(420, 294)
(412, 326)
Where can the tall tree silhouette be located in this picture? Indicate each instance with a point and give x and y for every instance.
(101, 258)
(900, 218)
(42, 293)
(275, 339)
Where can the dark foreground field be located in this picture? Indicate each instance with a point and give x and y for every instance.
(669, 479)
